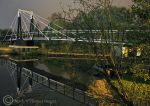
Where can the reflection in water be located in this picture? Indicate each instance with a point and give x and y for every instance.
(7, 81)
(75, 70)
(23, 87)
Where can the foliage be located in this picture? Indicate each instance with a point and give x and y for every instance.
(5, 31)
(100, 91)
(98, 18)
(141, 71)
(57, 22)
(145, 49)
(141, 10)
(137, 92)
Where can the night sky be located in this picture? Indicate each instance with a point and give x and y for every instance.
(8, 8)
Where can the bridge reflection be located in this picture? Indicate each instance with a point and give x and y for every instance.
(28, 77)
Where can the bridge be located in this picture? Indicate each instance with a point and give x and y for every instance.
(28, 26)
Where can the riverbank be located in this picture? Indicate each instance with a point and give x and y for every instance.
(6, 50)
(138, 93)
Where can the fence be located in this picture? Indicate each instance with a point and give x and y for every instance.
(71, 92)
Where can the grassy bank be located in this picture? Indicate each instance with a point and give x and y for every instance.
(139, 93)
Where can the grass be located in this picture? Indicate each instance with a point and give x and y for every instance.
(139, 93)
(136, 92)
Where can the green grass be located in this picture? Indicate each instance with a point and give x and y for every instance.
(137, 92)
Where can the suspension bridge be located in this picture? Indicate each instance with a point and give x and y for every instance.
(28, 26)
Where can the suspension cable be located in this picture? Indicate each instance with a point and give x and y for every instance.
(48, 21)
(56, 25)
(10, 27)
(36, 27)
(55, 30)
(13, 29)
(26, 27)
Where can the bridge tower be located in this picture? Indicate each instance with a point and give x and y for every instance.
(20, 40)
(31, 24)
(19, 28)
(32, 28)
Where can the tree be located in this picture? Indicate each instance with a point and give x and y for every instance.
(95, 15)
(4, 32)
(56, 20)
(141, 9)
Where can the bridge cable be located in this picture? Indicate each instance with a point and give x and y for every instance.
(26, 27)
(21, 89)
(57, 25)
(12, 78)
(36, 27)
(13, 29)
(56, 30)
(10, 27)
(48, 21)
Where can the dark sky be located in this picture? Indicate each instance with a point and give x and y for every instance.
(8, 8)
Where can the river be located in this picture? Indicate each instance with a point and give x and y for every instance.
(69, 72)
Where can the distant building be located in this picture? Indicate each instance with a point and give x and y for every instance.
(129, 51)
